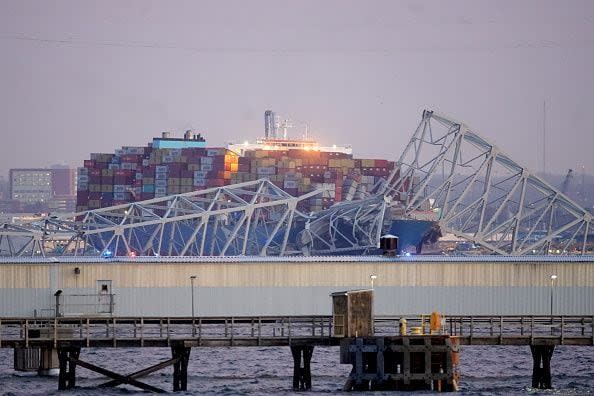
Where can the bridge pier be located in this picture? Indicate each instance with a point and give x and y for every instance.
(302, 372)
(541, 369)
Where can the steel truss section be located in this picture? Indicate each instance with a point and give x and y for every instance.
(17, 240)
(346, 227)
(252, 218)
(483, 195)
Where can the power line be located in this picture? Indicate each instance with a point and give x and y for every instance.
(379, 51)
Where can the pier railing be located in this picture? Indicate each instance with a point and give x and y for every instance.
(283, 330)
(163, 331)
(503, 329)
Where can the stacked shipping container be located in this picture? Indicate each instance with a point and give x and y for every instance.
(140, 173)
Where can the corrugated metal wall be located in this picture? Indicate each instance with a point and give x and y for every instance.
(283, 287)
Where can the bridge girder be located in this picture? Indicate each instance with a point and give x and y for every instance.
(248, 218)
(482, 194)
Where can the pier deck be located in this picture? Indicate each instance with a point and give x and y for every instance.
(279, 331)
(385, 359)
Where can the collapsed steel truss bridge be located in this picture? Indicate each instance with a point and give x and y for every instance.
(477, 192)
(482, 195)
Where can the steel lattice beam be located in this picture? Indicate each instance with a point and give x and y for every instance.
(243, 219)
(483, 195)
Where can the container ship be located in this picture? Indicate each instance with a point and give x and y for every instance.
(170, 165)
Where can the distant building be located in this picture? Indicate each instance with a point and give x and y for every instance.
(44, 189)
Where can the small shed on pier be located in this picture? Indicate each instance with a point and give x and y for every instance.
(352, 313)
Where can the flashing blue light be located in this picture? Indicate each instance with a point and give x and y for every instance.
(107, 254)
(407, 254)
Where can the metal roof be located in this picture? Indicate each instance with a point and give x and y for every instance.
(298, 259)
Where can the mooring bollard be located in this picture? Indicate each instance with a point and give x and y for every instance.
(402, 326)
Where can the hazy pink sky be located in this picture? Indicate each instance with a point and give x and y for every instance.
(91, 76)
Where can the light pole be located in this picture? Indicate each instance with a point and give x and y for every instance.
(192, 278)
(553, 279)
(372, 277)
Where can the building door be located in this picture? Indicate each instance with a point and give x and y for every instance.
(105, 296)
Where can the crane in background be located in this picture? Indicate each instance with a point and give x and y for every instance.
(567, 181)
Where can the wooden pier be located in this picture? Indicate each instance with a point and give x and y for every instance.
(63, 340)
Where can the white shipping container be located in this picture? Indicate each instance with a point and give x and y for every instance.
(266, 170)
(160, 190)
(83, 171)
(206, 167)
(199, 182)
(113, 166)
(119, 188)
(161, 182)
(206, 160)
(161, 169)
(82, 178)
(160, 176)
(200, 174)
(290, 184)
(121, 196)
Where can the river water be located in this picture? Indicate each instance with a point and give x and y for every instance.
(492, 370)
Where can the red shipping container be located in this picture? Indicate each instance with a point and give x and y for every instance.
(89, 163)
(131, 158)
(123, 172)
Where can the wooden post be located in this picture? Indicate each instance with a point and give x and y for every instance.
(63, 359)
(180, 367)
(541, 373)
(302, 373)
(67, 377)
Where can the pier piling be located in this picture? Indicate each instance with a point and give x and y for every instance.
(181, 355)
(401, 363)
(541, 369)
(302, 372)
(68, 356)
